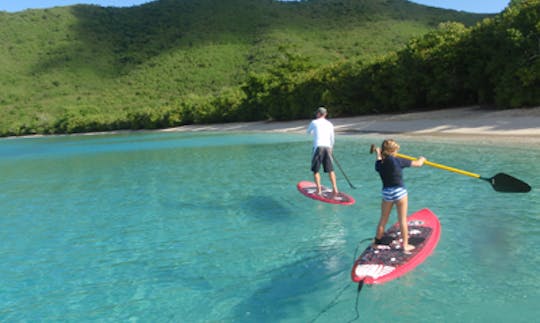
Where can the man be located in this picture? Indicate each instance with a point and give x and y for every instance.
(323, 141)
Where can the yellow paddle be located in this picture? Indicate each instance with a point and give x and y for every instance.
(448, 168)
(501, 182)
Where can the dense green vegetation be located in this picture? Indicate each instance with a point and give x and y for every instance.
(495, 63)
(167, 63)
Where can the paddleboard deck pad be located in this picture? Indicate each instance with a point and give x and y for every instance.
(309, 189)
(387, 261)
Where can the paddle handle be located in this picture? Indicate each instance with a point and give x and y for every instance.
(450, 169)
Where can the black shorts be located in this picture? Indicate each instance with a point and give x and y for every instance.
(322, 156)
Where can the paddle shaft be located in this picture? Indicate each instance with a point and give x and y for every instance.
(450, 169)
(344, 175)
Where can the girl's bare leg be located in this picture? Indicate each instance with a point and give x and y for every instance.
(386, 208)
(402, 206)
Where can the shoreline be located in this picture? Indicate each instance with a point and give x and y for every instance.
(456, 124)
(510, 126)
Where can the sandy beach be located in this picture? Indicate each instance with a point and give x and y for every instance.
(515, 126)
(467, 124)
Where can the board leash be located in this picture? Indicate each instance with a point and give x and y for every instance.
(331, 304)
(360, 285)
(334, 301)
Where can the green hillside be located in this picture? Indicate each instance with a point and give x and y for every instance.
(84, 68)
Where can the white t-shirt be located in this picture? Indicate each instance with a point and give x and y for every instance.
(323, 132)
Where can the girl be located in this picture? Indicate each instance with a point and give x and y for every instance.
(390, 169)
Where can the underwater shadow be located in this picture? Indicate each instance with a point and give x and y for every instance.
(276, 300)
(268, 208)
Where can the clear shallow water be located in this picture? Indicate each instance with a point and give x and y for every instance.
(200, 227)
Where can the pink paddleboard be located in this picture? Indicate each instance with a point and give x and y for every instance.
(309, 189)
(388, 261)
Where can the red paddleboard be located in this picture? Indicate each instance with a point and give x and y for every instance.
(309, 189)
(388, 261)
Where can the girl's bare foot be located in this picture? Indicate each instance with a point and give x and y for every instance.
(408, 248)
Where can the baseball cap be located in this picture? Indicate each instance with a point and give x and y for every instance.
(321, 110)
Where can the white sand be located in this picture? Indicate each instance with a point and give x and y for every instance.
(516, 126)
(469, 124)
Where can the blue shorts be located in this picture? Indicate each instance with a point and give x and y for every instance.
(394, 194)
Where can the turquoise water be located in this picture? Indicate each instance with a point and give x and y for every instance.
(209, 227)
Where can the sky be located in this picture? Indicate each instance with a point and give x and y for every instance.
(477, 6)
